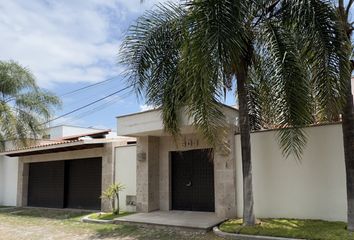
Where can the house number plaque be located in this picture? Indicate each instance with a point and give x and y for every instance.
(190, 142)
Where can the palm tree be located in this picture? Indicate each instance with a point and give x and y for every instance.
(189, 55)
(348, 109)
(23, 105)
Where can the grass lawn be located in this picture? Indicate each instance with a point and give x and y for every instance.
(291, 228)
(108, 216)
(43, 224)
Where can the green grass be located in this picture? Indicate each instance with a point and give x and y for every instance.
(107, 216)
(291, 228)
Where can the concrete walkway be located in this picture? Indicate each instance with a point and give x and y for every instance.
(181, 219)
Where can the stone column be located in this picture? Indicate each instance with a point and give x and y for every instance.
(22, 183)
(147, 174)
(107, 173)
(225, 179)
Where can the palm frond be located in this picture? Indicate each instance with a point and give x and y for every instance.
(23, 105)
(291, 87)
(316, 22)
(216, 40)
(150, 52)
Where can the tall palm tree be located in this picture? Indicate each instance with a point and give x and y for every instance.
(23, 105)
(189, 55)
(347, 26)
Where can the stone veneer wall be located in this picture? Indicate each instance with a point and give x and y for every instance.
(147, 174)
(106, 152)
(154, 173)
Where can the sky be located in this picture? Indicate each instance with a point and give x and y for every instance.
(69, 44)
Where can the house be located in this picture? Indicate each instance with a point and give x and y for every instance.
(190, 175)
(69, 168)
(166, 174)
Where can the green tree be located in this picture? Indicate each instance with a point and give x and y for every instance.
(347, 27)
(188, 55)
(23, 105)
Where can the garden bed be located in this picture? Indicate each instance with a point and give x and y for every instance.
(104, 217)
(290, 228)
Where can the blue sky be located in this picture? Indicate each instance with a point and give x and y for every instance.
(69, 44)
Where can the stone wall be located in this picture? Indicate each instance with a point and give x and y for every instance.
(154, 172)
(147, 174)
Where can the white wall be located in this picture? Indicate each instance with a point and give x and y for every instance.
(65, 130)
(313, 188)
(125, 173)
(8, 181)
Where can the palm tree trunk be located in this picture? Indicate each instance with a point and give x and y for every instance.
(248, 202)
(348, 122)
(348, 141)
(118, 208)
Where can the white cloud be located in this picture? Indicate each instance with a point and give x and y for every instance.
(66, 41)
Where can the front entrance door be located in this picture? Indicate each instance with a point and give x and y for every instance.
(193, 180)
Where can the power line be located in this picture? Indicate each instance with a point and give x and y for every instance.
(87, 105)
(88, 86)
(98, 108)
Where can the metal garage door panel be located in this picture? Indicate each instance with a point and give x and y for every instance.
(83, 183)
(46, 184)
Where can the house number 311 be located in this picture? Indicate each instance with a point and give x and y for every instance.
(190, 143)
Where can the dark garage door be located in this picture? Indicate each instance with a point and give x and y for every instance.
(193, 180)
(46, 184)
(65, 184)
(83, 181)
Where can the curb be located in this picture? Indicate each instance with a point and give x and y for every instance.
(220, 233)
(161, 226)
(86, 219)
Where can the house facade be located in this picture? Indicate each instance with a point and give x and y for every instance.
(185, 175)
(69, 168)
(167, 174)
(188, 174)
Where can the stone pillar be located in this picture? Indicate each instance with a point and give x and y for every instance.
(147, 174)
(22, 183)
(225, 179)
(107, 173)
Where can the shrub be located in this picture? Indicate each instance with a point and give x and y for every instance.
(112, 194)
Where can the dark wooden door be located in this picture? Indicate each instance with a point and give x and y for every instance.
(46, 184)
(83, 183)
(193, 180)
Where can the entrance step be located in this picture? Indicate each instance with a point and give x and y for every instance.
(188, 220)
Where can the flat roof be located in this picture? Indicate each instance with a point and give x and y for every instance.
(94, 134)
(74, 126)
(158, 109)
